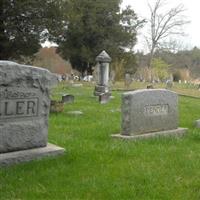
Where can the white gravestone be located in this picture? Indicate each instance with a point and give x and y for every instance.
(197, 123)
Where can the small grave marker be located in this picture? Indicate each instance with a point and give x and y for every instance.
(197, 123)
(67, 98)
(104, 98)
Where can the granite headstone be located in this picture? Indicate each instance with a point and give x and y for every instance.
(102, 86)
(197, 123)
(67, 98)
(24, 107)
(149, 112)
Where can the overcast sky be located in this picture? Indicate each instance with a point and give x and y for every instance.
(192, 12)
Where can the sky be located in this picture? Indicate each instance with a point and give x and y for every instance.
(192, 30)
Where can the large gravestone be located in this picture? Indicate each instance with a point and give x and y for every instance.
(24, 110)
(149, 112)
(102, 86)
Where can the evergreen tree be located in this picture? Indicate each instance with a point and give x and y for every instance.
(96, 25)
(23, 24)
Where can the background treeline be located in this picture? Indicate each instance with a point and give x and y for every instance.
(81, 30)
(180, 65)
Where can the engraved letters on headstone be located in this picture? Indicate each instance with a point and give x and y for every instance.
(17, 103)
(149, 112)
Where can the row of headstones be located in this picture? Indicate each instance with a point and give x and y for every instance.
(25, 104)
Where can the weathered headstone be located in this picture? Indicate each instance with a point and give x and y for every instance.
(149, 112)
(24, 110)
(197, 123)
(75, 112)
(128, 80)
(67, 98)
(102, 86)
(104, 98)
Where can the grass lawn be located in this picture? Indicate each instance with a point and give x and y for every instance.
(97, 167)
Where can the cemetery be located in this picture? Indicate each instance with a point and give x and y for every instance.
(91, 162)
(86, 114)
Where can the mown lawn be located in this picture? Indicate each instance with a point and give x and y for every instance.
(95, 166)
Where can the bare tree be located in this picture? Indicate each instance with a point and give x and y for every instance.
(173, 46)
(163, 24)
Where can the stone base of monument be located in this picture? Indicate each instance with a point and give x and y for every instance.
(100, 89)
(176, 132)
(30, 154)
(104, 98)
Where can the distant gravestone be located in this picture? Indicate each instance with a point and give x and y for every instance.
(75, 112)
(24, 110)
(128, 80)
(149, 112)
(67, 98)
(104, 98)
(197, 123)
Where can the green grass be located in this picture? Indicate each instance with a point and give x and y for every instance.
(97, 167)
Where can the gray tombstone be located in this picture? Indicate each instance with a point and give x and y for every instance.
(128, 80)
(197, 123)
(149, 112)
(104, 98)
(24, 110)
(102, 86)
(67, 98)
